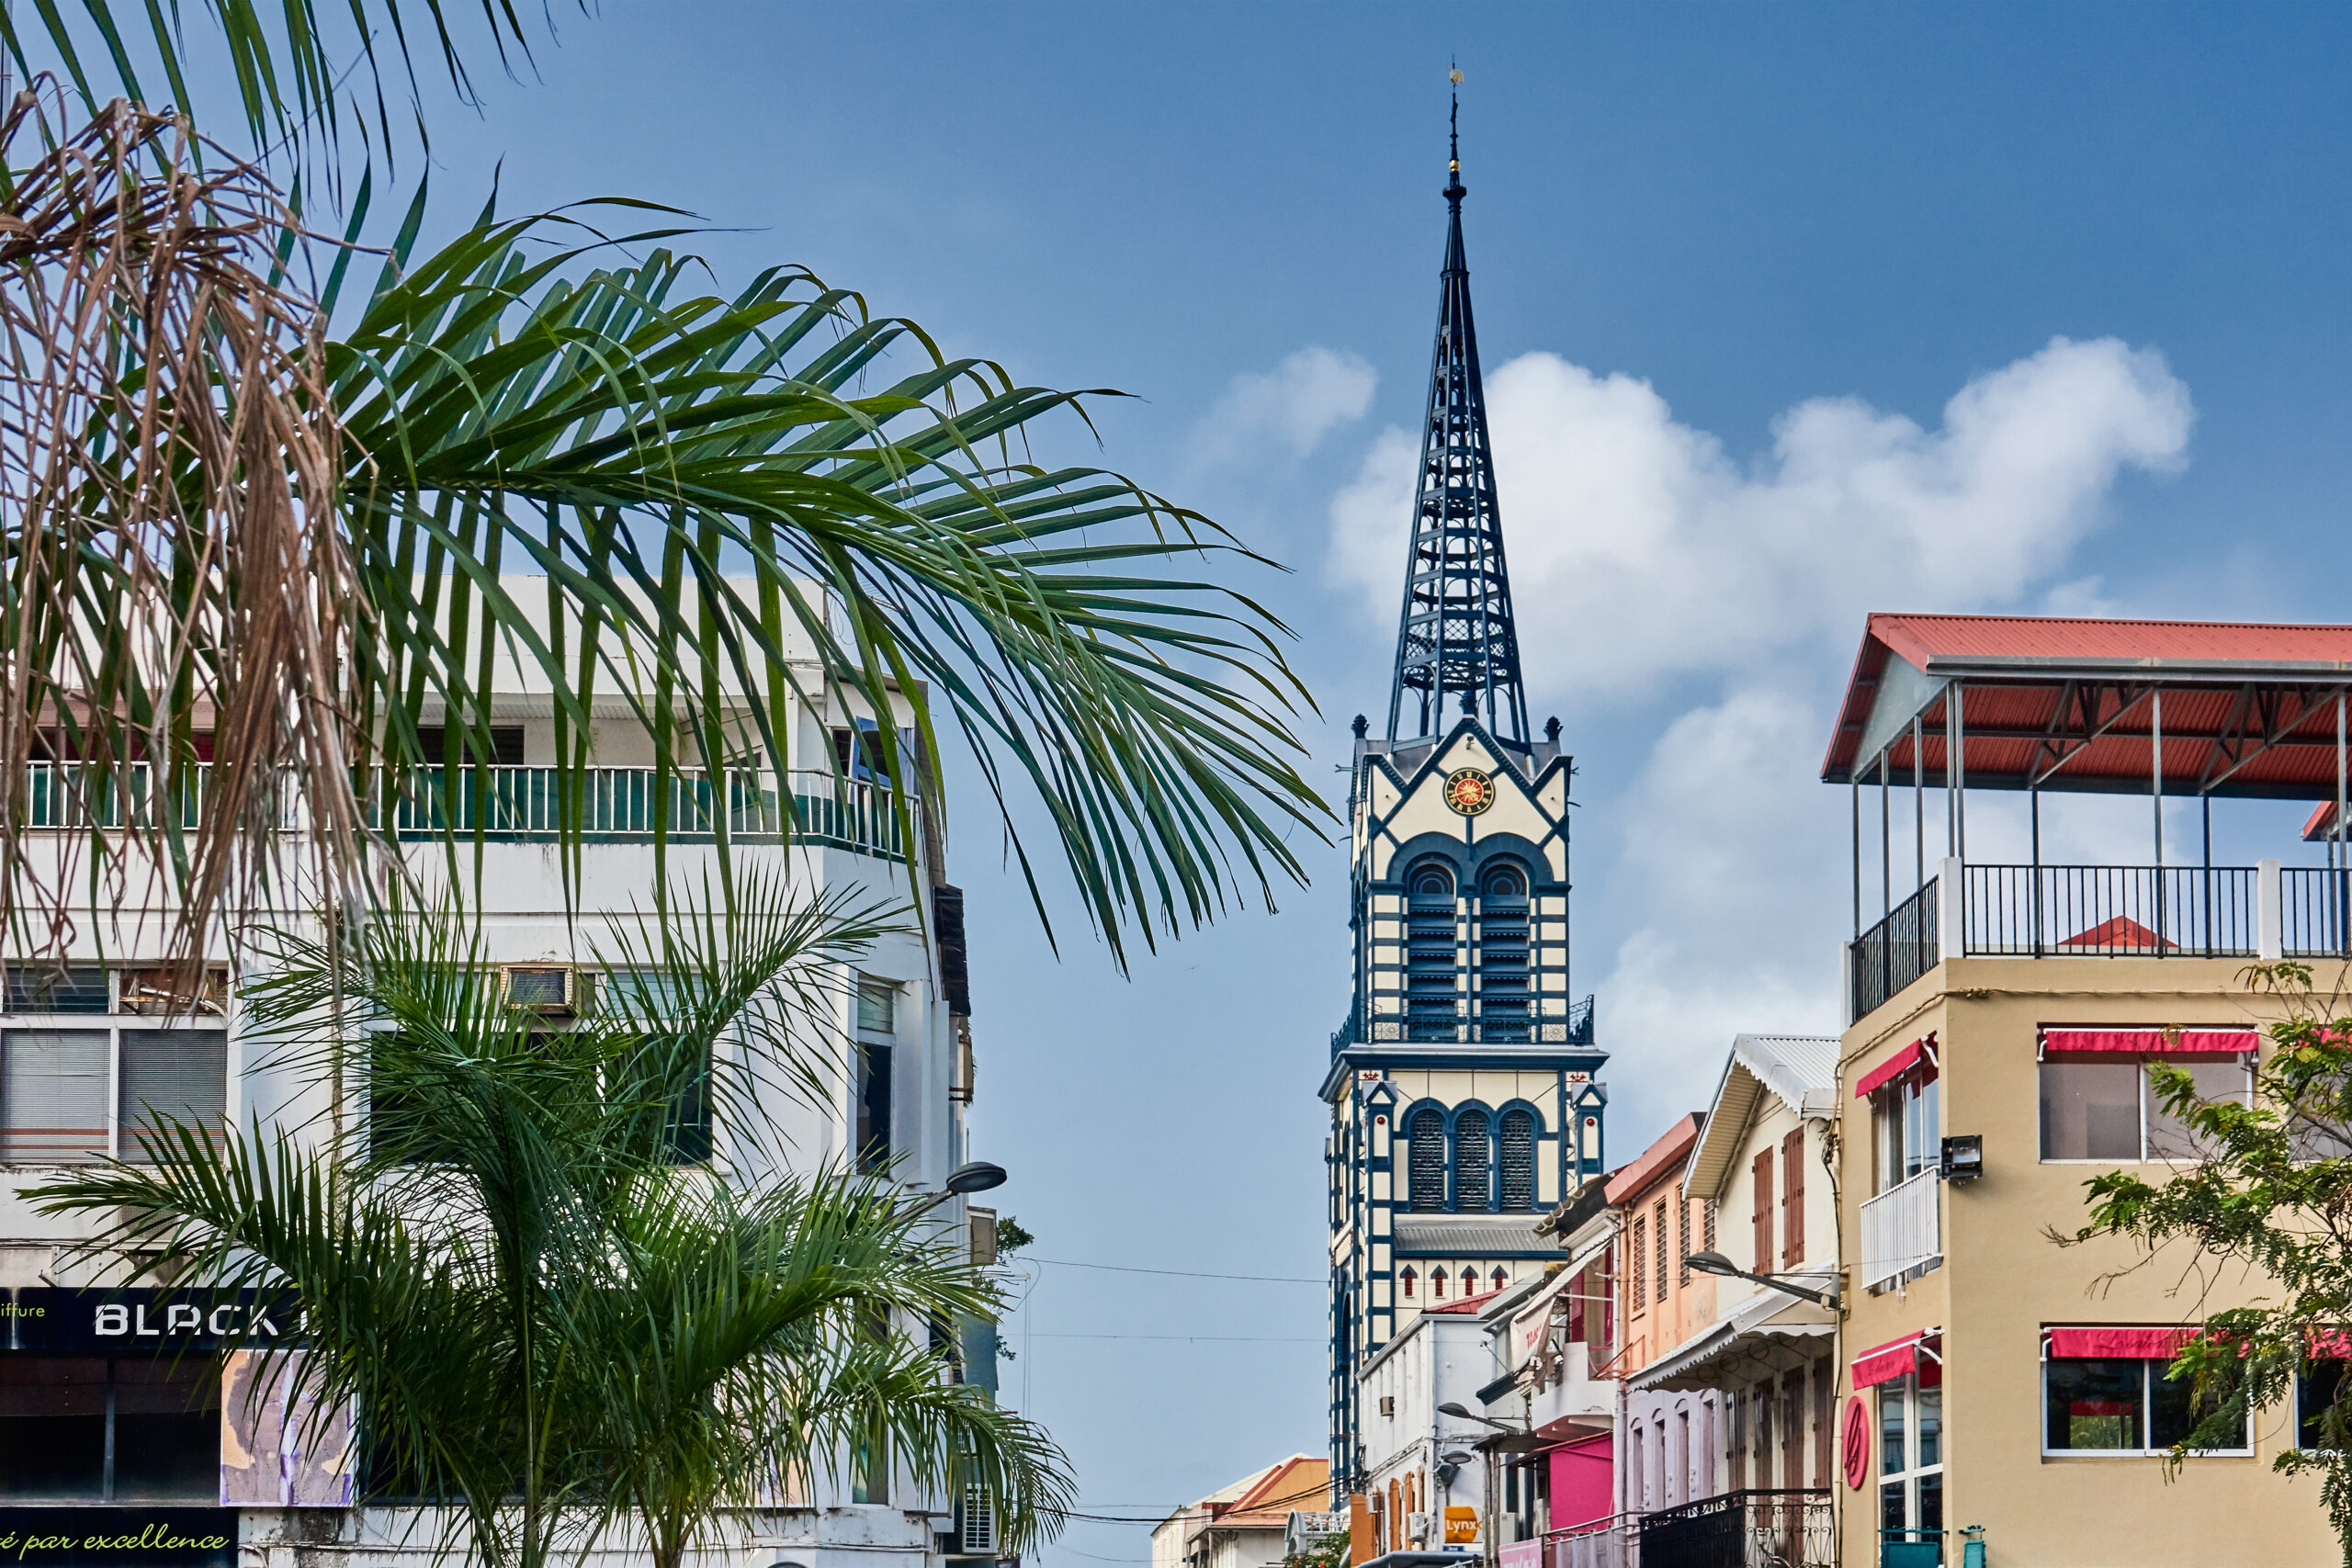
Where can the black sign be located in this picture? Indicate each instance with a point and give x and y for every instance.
(119, 1538)
(144, 1322)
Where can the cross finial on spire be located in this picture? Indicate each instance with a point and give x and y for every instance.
(1453, 188)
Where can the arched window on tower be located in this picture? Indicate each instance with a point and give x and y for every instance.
(1437, 1284)
(1518, 1160)
(1426, 1180)
(1501, 1279)
(1432, 966)
(1408, 1279)
(1474, 1153)
(1504, 994)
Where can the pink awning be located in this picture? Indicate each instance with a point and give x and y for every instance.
(1889, 1362)
(2332, 1343)
(1895, 1066)
(2223, 1041)
(2128, 1344)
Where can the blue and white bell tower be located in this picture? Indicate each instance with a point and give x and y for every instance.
(1464, 1085)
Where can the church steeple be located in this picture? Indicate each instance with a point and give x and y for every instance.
(1457, 635)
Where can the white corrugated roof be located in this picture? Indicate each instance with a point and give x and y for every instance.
(1787, 1067)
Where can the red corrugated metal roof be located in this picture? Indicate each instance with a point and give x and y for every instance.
(1661, 1159)
(2248, 708)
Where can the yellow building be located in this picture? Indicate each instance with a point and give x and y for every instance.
(2002, 1398)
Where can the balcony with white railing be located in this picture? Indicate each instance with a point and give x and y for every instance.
(523, 804)
(1902, 1230)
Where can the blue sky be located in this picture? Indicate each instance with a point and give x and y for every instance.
(1767, 297)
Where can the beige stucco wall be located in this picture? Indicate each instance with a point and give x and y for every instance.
(2002, 1279)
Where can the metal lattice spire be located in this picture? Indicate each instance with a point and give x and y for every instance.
(1457, 634)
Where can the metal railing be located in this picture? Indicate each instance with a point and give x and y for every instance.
(2142, 911)
(1574, 1030)
(1743, 1529)
(523, 803)
(1612, 1542)
(2315, 912)
(1901, 1229)
(1896, 952)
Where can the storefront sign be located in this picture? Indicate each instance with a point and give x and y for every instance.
(1461, 1524)
(119, 1538)
(1854, 1441)
(145, 1320)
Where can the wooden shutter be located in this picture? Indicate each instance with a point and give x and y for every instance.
(1639, 1250)
(53, 1096)
(181, 1075)
(1792, 1199)
(1761, 1173)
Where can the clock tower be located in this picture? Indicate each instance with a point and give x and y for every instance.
(1463, 1086)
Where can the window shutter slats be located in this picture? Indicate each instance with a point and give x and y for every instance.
(1761, 1174)
(177, 1074)
(1427, 1180)
(1792, 1199)
(1518, 1160)
(1473, 1155)
(52, 1096)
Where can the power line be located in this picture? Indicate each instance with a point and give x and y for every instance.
(1198, 1338)
(1176, 1273)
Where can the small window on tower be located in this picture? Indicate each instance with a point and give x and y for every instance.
(1437, 1283)
(1411, 1278)
(1501, 1279)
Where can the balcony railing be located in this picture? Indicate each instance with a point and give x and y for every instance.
(1612, 1542)
(1901, 1229)
(2110, 910)
(1516, 1029)
(607, 805)
(2316, 912)
(1896, 952)
(1743, 1529)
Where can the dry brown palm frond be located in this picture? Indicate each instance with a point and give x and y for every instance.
(177, 603)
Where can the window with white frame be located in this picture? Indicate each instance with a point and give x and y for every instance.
(2105, 1105)
(2318, 1387)
(2117, 1403)
(1906, 1125)
(92, 1059)
(1911, 1454)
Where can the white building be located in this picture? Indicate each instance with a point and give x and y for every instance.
(1246, 1525)
(81, 1049)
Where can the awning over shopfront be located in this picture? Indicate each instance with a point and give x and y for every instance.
(1895, 1066)
(1896, 1357)
(1771, 1332)
(2129, 1343)
(2222, 1042)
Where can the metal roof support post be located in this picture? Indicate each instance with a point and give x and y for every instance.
(2156, 794)
(2335, 857)
(1960, 770)
(1857, 789)
(2033, 816)
(1952, 760)
(1918, 804)
(1885, 844)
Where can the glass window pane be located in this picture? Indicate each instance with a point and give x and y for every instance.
(167, 1430)
(1932, 1502)
(2093, 1405)
(1890, 1507)
(2167, 1137)
(1931, 1425)
(53, 1427)
(2170, 1418)
(2316, 1390)
(180, 1075)
(877, 1006)
(2090, 1110)
(52, 1096)
(1892, 1460)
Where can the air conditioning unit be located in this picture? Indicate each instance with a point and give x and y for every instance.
(1419, 1527)
(1388, 1404)
(550, 989)
(978, 1524)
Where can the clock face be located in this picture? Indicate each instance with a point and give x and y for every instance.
(1468, 791)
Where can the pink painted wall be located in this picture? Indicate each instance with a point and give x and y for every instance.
(1581, 1486)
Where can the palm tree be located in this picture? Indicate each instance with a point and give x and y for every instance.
(226, 522)
(545, 1318)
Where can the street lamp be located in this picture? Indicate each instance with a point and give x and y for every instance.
(1462, 1413)
(1717, 1263)
(976, 1176)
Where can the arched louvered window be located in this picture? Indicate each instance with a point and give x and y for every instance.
(1504, 982)
(1426, 1182)
(1518, 1160)
(1474, 1155)
(1432, 966)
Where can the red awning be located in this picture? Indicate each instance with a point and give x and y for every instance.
(2333, 1343)
(2130, 1344)
(2223, 1041)
(1890, 1360)
(1895, 1066)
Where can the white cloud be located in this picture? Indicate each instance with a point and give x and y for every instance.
(1653, 554)
(1645, 557)
(1290, 408)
